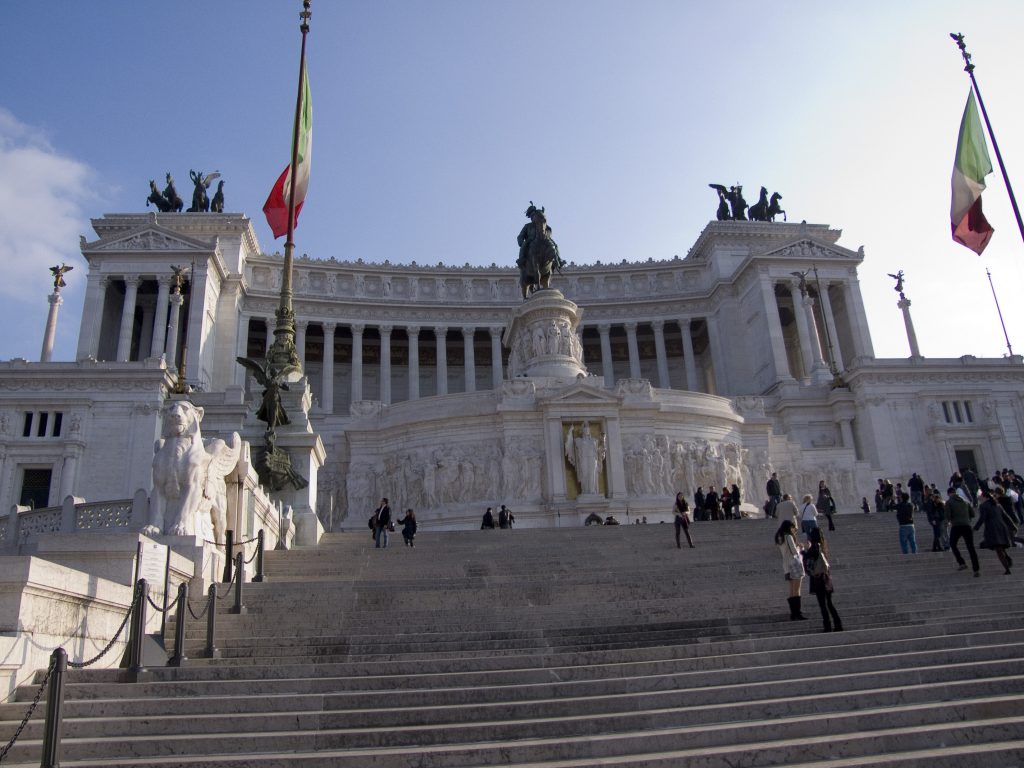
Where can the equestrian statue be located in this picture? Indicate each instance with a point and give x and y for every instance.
(538, 253)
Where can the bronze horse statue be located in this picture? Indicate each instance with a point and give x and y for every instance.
(174, 201)
(774, 209)
(156, 198)
(538, 253)
(217, 204)
(759, 210)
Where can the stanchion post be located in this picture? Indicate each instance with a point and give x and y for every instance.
(229, 547)
(179, 658)
(239, 578)
(211, 623)
(54, 704)
(258, 577)
(138, 630)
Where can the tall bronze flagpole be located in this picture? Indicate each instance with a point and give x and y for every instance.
(969, 69)
(283, 352)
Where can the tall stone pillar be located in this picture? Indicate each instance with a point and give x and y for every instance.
(385, 364)
(830, 323)
(803, 335)
(68, 474)
(413, 332)
(634, 351)
(146, 331)
(717, 358)
(124, 339)
(689, 360)
(241, 347)
(92, 315)
(442, 360)
(818, 367)
(357, 362)
(497, 375)
(171, 345)
(776, 341)
(300, 340)
(50, 334)
(196, 321)
(469, 358)
(159, 337)
(327, 385)
(659, 350)
(606, 354)
(904, 305)
(858, 319)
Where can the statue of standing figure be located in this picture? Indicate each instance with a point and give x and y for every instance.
(538, 253)
(586, 454)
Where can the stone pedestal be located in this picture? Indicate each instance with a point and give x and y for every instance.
(543, 339)
(307, 454)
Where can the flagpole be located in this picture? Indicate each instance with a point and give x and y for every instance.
(1000, 311)
(969, 69)
(283, 351)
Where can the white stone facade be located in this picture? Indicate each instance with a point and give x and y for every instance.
(708, 369)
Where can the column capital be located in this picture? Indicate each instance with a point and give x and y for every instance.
(441, 331)
(176, 298)
(630, 326)
(604, 328)
(658, 325)
(132, 279)
(412, 331)
(468, 331)
(385, 330)
(328, 327)
(357, 328)
(495, 332)
(303, 324)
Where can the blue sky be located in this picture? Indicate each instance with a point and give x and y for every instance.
(436, 122)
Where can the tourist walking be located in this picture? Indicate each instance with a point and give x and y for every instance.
(958, 515)
(820, 572)
(381, 524)
(905, 518)
(774, 490)
(682, 520)
(826, 504)
(935, 511)
(737, 499)
(999, 528)
(408, 524)
(792, 566)
(808, 516)
(726, 498)
(488, 520)
(787, 509)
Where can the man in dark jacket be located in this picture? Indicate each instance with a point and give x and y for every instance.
(958, 515)
(905, 517)
(381, 525)
(774, 491)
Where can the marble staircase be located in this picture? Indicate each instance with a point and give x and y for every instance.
(576, 647)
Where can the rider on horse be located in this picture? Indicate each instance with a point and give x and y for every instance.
(538, 253)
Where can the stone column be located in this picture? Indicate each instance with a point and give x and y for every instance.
(67, 475)
(497, 375)
(159, 338)
(830, 323)
(124, 339)
(300, 340)
(442, 360)
(659, 349)
(858, 319)
(818, 362)
(241, 347)
(469, 358)
(634, 351)
(803, 335)
(413, 332)
(327, 387)
(51, 328)
(904, 305)
(385, 364)
(92, 315)
(171, 345)
(357, 362)
(146, 331)
(774, 328)
(689, 360)
(606, 354)
(196, 321)
(846, 429)
(717, 359)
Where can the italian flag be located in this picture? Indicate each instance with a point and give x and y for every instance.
(276, 207)
(971, 166)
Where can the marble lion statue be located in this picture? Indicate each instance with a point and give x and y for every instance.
(189, 495)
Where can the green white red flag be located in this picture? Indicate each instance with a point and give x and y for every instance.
(970, 167)
(276, 207)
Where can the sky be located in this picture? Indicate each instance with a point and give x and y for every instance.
(437, 121)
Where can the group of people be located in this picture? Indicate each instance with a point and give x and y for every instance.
(811, 506)
(808, 560)
(381, 525)
(714, 505)
(998, 505)
(505, 519)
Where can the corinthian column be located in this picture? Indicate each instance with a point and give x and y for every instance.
(497, 374)
(159, 338)
(357, 363)
(442, 360)
(413, 332)
(51, 326)
(659, 350)
(634, 351)
(604, 329)
(327, 387)
(385, 364)
(124, 339)
(469, 358)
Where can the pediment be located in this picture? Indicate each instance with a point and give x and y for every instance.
(806, 248)
(152, 238)
(583, 393)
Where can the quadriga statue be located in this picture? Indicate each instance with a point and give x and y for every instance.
(189, 495)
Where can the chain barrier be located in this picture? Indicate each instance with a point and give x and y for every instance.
(227, 590)
(159, 609)
(254, 553)
(114, 639)
(202, 613)
(31, 709)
